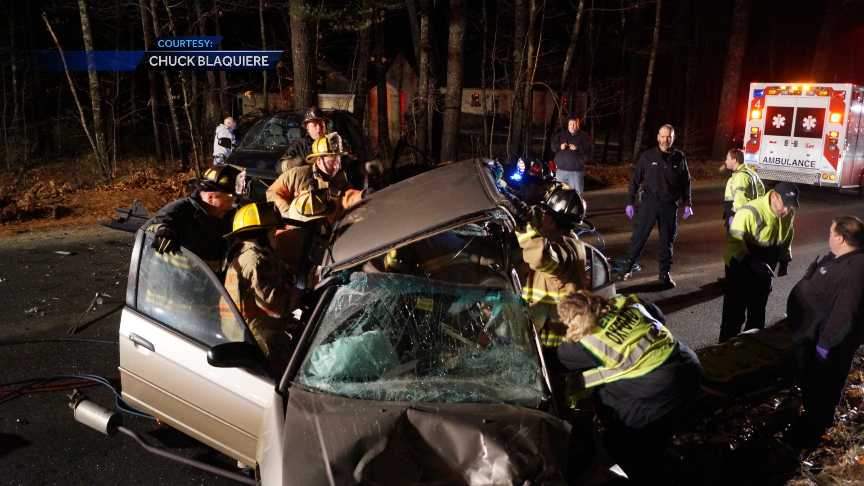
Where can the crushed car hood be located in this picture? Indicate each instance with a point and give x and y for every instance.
(414, 209)
(331, 440)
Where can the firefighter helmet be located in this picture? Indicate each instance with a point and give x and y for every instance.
(255, 216)
(219, 179)
(330, 144)
(567, 204)
(313, 114)
(310, 205)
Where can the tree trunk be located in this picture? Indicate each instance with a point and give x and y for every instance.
(383, 125)
(187, 108)
(95, 92)
(361, 83)
(151, 80)
(413, 19)
(266, 106)
(571, 47)
(302, 56)
(648, 78)
(514, 135)
(727, 112)
(423, 103)
(211, 98)
(528, 77)
(225, 102)
(172, 107)
(453, 98)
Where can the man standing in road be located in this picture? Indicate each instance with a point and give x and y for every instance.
(826, 309)
(224, 141)
(759, 243)
(743, 186)
(664, 178)
(572, 149)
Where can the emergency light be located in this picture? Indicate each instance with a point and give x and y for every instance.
(836, 117)
(756, 114)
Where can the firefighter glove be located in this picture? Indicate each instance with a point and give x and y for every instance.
(783, 269)
(165, 240)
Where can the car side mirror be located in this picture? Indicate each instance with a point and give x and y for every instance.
(235, 355)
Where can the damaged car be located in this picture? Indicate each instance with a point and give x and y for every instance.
(418, 363)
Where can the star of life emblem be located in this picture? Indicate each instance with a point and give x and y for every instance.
(809, 123)
(778, 121)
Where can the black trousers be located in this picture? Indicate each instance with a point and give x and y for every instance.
(640, 452)
(822, 383)
(665, 216)
(744, 299)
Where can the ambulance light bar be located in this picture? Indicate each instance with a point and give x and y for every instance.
(796, 89)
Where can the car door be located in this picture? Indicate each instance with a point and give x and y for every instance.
(170, 321)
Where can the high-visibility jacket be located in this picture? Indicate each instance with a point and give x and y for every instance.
(743, 186)
(759, 233)
(557, 269)
(259, 284)
(628, 342)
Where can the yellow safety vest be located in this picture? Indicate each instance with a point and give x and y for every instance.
(628, 341)
(743, 186)
(758, 231)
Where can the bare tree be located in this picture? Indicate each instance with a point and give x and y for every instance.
(146, 27)
(648, 78)
(514, 135)
(263, 47)
(361, 79)
(302, 55)
(95, 92)
(211, 101)
(169, 95)
(453, 98)
(571, 46)
(423, 64)
(726, 112)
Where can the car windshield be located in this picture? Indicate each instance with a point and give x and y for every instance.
(394, 337)
(272, 133)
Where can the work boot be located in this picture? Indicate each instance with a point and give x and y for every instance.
(666, 280)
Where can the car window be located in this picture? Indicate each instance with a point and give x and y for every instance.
(272, 132)
(403, 338)
(179, 291)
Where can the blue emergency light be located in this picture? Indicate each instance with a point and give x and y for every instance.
(758, 93)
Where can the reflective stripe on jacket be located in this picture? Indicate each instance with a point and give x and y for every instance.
(743, 186)
(557, 269)
(628, 341)
(758, 232)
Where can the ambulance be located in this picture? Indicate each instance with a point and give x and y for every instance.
(806, 133)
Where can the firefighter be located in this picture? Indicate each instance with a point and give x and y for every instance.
(664, 178)
(645, 378)
(556, 260)
(315, 124)
(826, 310)
(304, 240)
(259, 282)
(758, 244)
(324, 171)
(743, 186)
(197, 222)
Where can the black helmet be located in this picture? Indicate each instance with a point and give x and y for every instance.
(220, 178)
(566, 204)
(313, 114)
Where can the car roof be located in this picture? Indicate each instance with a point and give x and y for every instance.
(414, 209)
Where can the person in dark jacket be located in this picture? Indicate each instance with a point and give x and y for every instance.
(197, 222)
(646, 379)
(572, 149)
(826, 309)
(664, 179)
(315, 124)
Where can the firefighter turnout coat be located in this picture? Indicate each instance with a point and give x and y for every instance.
(305, 178)
(743, 186)
(759, 234)
(556, 269)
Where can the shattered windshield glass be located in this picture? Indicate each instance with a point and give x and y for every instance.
(396, 337)
(272, 132)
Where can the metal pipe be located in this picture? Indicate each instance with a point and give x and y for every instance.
(189, 462)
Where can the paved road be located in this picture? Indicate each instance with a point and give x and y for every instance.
(694, 307)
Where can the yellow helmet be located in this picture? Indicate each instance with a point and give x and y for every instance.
(310, 205)
(255, 216)
(330, 144)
